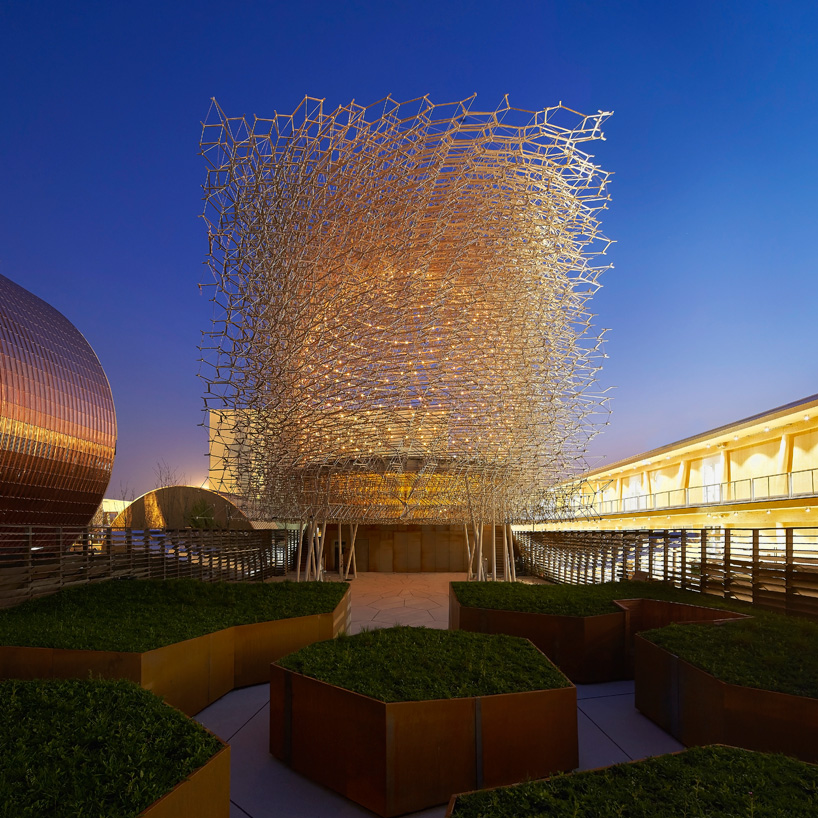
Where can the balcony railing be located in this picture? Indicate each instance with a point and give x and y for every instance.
(769, 487)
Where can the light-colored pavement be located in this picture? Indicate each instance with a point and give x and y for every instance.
(383, 600)
(610, 728)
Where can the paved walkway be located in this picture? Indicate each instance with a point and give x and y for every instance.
(611, 730)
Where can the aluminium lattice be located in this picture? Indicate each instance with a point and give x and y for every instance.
(401, 328)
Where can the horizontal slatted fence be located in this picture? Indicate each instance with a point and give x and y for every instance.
(36, 560)
(775, 568)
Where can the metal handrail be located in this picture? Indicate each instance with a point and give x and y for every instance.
(786, 485)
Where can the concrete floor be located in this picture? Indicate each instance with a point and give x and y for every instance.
(610, 729)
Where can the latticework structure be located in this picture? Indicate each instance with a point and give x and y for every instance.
(401, 328)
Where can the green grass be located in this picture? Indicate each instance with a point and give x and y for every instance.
(141, 615)
(704, 782)
(770, 652)
(75, 749)
(418, 664)
(577, 600)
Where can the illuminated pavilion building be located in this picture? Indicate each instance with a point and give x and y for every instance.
(401, 336)
(756, 472)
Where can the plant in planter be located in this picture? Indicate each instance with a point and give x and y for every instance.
(705, 782)
(188, 641)
(587, 630)
(107, 748)
(399, 719)
(753, 683)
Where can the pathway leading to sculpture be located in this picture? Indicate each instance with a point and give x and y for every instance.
(611, 730)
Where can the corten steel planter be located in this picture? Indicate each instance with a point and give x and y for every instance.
(453, 800)
(399, 757)
(205, 793)
(587, 649)
(648, 614)
(697, 708)
(189, 675)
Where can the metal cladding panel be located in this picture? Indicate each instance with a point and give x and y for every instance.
(57, 419)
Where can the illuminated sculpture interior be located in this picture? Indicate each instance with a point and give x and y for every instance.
(401, 329)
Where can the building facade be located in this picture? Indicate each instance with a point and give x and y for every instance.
(758, 472)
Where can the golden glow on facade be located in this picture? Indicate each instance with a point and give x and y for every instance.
(401, 329)
(57, 421)
(754, 473)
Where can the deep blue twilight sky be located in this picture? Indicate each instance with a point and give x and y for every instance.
(713, 302)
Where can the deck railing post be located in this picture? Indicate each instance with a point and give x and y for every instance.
(756, 549)
(789, 568)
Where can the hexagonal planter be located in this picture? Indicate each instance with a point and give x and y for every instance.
(697, 708)
(75, 747)
(717, 781)
(205, 793)
(399, 757)
(189, 675)
(588, 649)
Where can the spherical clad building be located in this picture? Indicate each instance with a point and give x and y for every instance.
(57, 420)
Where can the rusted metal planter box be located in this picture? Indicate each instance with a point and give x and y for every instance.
(205, 793)
(189, 675)
(696, 708)
(401, 757)
(587, 649)
(636, 762)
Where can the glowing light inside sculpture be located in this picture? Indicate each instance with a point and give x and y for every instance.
(401, 329)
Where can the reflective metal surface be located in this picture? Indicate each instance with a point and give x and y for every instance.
(57, 420)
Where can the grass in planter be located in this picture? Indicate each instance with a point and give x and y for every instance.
(771, 652)
(578, 600)
(76, 748)
(141, 615)
(418, 664)
(703, 782)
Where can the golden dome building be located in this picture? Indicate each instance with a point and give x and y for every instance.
(57, 419)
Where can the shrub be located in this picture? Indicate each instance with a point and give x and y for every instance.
(141, 615)
(704, 782)
(578, 600)
(77, 748)
(417, 664)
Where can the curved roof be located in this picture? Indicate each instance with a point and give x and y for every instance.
(177, 507)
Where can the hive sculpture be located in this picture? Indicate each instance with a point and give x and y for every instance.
(401, 330)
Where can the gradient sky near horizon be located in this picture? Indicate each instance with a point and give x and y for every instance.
(712, 304)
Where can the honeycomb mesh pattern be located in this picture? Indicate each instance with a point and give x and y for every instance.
(400, 329)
